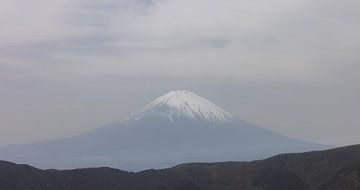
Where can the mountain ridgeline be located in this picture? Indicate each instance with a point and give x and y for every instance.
(177, 127)
(321, 170)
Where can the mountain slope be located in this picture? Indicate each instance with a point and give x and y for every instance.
(322, 170)
(175, 128)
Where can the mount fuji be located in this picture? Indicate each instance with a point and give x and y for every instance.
(177, 127)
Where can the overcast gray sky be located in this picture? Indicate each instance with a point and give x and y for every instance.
(291, 66)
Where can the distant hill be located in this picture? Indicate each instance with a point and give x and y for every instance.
(334, 169)
(177, 127)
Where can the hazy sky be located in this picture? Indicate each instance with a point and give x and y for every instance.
(291, 66)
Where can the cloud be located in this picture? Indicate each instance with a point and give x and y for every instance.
(277, 40)
(34, 21)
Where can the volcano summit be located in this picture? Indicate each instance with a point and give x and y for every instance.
(183, 105)
(177, 127)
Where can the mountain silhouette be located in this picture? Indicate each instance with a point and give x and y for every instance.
(177, 127)
(321, 170)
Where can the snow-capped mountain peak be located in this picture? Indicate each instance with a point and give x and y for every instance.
(182, 104)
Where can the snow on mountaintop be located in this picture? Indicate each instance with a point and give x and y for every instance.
(182, 104)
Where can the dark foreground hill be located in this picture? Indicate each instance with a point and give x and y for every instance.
(335, 169)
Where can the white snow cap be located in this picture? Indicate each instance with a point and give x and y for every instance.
(183, 104)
